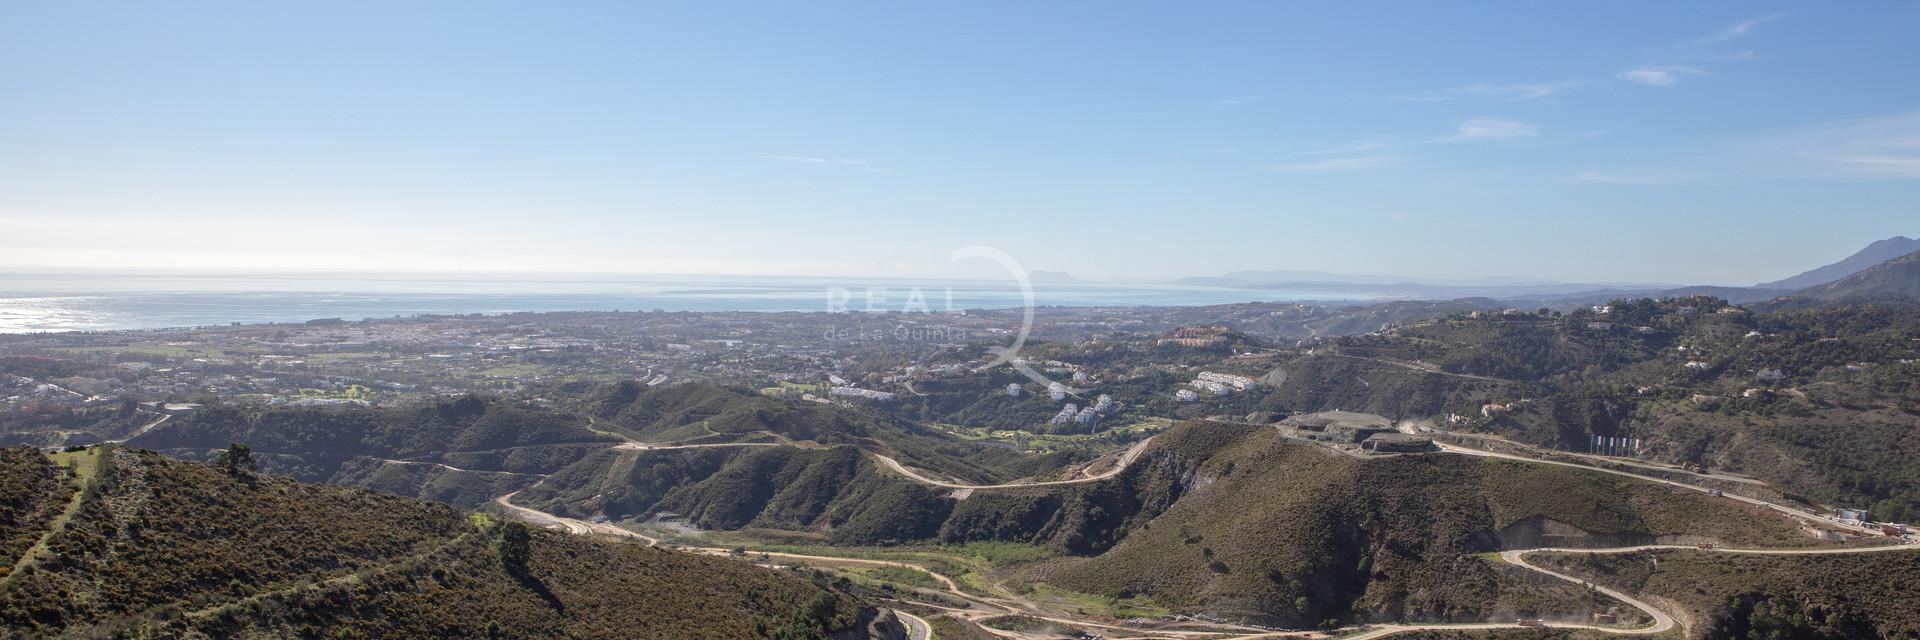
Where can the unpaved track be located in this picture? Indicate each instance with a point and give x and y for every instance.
(1790, 511)
(990, 607)
(1662, 621)
(449, 467)
(634, 445)
(143, 429)
(1126, 460)
(572, 525)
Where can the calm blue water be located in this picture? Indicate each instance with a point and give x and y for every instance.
(79, 302)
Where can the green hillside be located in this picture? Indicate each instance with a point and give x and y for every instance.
(492, 445)
(838, 490)
(1228, 519)
(163, 548)
(700, 413)
(1823, 402)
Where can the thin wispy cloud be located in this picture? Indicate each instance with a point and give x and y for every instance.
(1596, 177)
(1886, 147)
(1496, 92)
(1902, 164)
(848, 162)
(1651, 75)
(1361, 162)
(1733, 31)
(1488, 128)
(1350, 148)
(1665, 75)
(1235, 102)
(1742, 55)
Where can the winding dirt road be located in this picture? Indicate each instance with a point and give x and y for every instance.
(635, 445)
(1663, 622)
(1126, 460)
(572, 525)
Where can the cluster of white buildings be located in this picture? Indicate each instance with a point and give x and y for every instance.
(1221, 384)
(1238, 383)
(864, 394)
(1090, 414)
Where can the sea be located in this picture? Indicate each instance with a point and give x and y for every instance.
(49, 302)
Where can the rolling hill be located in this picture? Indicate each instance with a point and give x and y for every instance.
(1822, 402)
(156, 547)
(1228, 519)
(703, 413)
(462, 451)
(1268, 528)
(1755, 596)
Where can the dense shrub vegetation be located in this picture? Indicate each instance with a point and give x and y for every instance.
(161, 548)
(1823, 402)
(1745, 596)
(1274, 529)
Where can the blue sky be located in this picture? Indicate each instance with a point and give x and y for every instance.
(1670, 142)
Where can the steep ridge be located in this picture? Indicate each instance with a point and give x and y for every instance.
(1877, 252)
(1897, 278)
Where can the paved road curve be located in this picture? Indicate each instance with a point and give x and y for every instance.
(917, 627)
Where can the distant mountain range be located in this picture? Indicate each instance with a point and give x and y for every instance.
(1873, 254)
(1859, 275)
(1325, 277)
(1051, 276)
(1899, 277)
